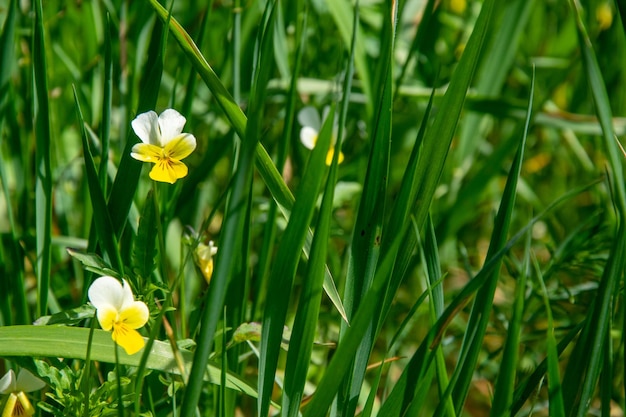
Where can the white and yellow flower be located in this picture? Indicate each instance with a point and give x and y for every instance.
(163, 144)
(311, 123)
(18, 403)
(118, 311)
(204, 259)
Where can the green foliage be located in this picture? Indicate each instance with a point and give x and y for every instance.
(464, 257)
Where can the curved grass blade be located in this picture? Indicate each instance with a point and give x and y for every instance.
(43, 188)
(71, 343)
(272, 178)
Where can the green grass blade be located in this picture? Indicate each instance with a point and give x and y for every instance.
(71, 343)
(557, 406)
(505, 382)
(347, 22)
(105, 130)
(366, 240)
(43, 135)
(104, 225)
(234, 223)
(145, 244)
(581, 375)
(305, 323)
(479, 317)
(282, 275)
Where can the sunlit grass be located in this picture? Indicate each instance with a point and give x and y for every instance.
(448, 235)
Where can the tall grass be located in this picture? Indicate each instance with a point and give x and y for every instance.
(455, 236)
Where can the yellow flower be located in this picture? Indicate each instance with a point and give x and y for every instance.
(117, 310)
(18, 404)
(204, 259)
(163, 144)
(311, 124)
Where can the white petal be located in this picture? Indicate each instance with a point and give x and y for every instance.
(128, 299)
(28, 382)
(146, 127)
(308, 136)
(309, 116)
(171, 124)
(106, 291)
(7, 383)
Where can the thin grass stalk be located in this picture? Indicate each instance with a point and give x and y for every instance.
(557, 407)
(43, 187)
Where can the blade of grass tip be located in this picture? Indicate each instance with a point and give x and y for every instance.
(102, 220)
(305, 323)
(505, 382)
(105, 128)
(43, 188)
(557, 406)
(192, 80)
(233, 225)
(603, 108)
(430, 258)
(483, 303)
(349, 28)
(365, 244)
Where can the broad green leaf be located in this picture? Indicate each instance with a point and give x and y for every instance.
(71, 343)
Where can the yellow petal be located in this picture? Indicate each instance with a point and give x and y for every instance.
(107, 316)
(27, 408)
(146, 152)
(330, 154)
(9, 407)
(180, 147)
(129, 339)
(135, 315)
(168, 171)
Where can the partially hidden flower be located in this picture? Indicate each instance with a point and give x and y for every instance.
(204, 259)
(311, 123)
(118, 312)
(163, 144)
(18, 403)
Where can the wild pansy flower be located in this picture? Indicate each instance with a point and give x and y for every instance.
(163, 144)
(204, 259)
(118, 311)
(18, 403)
(311, 123)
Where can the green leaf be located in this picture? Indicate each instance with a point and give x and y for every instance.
(71, 343)
(144, 245)
(43, 135)
(94, 263)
